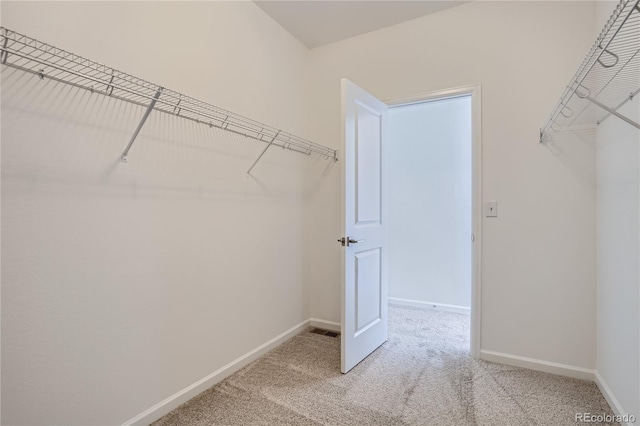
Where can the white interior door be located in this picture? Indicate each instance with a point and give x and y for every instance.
(364, 217)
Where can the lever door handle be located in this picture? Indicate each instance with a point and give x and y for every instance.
(346, 241)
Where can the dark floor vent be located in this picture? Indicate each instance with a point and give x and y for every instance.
(325, 332)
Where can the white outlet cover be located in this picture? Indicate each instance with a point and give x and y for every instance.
(491, 208)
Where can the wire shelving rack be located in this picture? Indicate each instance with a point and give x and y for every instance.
(607, 79)
(49, 62)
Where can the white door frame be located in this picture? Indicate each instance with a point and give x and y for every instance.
(476, 194)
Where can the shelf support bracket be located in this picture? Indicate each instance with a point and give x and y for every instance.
(627, 99)
(123, 158)
(610, 110)
(5, 53)
(109, 89)
(262, 153)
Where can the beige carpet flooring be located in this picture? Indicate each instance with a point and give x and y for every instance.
(423, 375)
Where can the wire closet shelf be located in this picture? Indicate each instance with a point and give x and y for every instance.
(28, 54)
(607, 79)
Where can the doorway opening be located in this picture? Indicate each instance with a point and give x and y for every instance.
(433, 186)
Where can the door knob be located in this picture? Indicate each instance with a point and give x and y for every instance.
(352, 241)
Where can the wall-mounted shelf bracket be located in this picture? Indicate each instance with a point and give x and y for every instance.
(144, 118)
(609, 110)
(5, 53)
(262, 153)
(109, 90)
(620, 105)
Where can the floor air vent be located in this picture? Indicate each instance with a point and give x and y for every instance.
(325, 332)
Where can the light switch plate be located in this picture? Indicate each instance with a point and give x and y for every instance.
(491, 209)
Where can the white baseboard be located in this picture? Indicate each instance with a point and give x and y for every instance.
(175, 400)
(430, 305)
(325, 325)
(539, 365)
(608, 395)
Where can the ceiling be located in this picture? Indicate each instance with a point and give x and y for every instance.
(319, 22)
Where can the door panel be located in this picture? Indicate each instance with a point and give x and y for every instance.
(368, 147)
(364, 289)
(368, 291)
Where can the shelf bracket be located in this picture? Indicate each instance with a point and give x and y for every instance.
(5, 53)
(176, 109)
(627, 99)
(262, 153)
(123, 158)
(109, 89)
(609, 110)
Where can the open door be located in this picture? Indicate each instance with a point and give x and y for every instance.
(364, 222)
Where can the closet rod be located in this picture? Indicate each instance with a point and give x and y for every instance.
(30, 55)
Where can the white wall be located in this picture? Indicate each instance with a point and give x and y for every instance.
(618, 253)
(538, 275)
(122, 284)
(429, 170)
